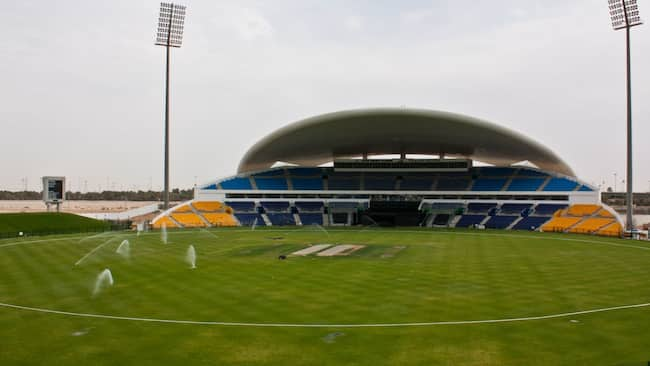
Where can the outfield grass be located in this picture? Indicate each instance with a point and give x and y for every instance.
(11, 224)
(437, 276)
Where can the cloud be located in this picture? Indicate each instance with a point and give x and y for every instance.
(353, 22)
(248, 23)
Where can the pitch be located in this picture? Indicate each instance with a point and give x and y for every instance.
(406, 297)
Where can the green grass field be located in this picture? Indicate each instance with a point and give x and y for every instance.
(401, 276)
(47, 223)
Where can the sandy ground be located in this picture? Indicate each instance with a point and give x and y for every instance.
(73, 206)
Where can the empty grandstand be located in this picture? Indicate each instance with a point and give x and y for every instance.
(473, 177)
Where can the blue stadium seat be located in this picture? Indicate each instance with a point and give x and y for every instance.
(470, 220)
(585, 189)
(500, 222)
(311, 218)
(452, 184)
(548, 209)
(236, 183)
(271, 183)
(342, 184)
(274, 206)
(479, 207)
(376, 183)
(240, 206)
(415, 184)
(307, 183)
(531, 223)
(485, 184)
(248, 219)
(281, 219)
(270, 173)
(525, 184)
(560, 185)
(525, 172)
(309, 206)
(514, 208)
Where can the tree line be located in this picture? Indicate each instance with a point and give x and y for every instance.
(175, 195)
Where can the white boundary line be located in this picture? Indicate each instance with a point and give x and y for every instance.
(377, 325)
(290, 325)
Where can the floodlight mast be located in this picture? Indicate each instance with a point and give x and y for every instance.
(170, 34)
(625, 14)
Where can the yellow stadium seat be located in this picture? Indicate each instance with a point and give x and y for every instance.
(560, 223)
(605, 213)
(208, 206)
(185, 208)
(583, 210)
(614, 229)
(220, 219)
(164, 221)
(188, 219)
(591, 225)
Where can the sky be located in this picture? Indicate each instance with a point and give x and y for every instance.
(82, 83)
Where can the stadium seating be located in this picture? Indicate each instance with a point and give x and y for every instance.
(582, 210)
(496, 171)
(452, 184)
(560, 223)
(242, 206)
(560, 185)
(183, 208)
(271, 183)
(614, 229)
(281, 219)
(531, 223)
(500, 222)
(307, 183)
(415, 184)
(591, 225)
(525, 172)
(164, 222)
(275, 206)
(548, 209)
(441, 219)
(208, 206)
(249, 219)
(488, 184)
(525, 184)
(470, 220)
(604, 213)
(479, 207)
(220, 219)
(309, 206)
(379, 183)
(514, 208)
(311, 218)
(336, 183)
(188, 219)
(236, 183)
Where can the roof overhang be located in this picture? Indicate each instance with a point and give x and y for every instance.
(321, 139)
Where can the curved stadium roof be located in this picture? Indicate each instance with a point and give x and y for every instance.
(321, 139)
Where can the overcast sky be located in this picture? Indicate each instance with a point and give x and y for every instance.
(82, 82)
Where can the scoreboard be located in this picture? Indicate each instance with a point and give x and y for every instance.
(53, 189)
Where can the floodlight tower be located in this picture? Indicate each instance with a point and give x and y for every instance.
(169, 34)
(625, 15)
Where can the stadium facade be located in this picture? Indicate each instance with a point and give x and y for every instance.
(327, 176)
